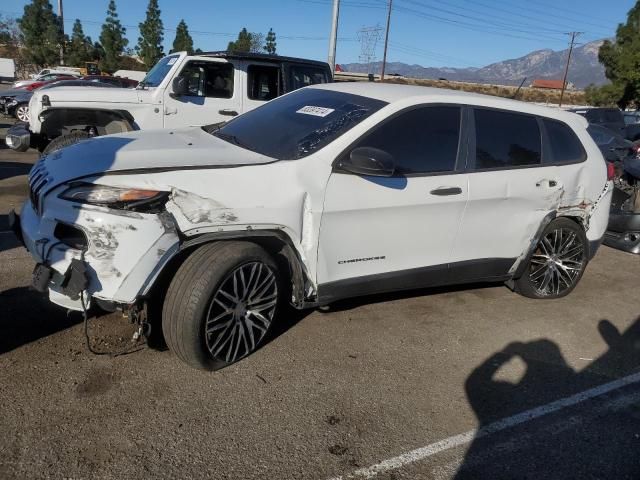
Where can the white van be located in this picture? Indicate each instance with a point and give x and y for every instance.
(7, 70)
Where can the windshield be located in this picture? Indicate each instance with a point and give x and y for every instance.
(159, 71)
(298, 124)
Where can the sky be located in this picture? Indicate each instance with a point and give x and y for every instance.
(432, 33)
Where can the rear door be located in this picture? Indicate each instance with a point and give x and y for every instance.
(510, 191)
(215, 94)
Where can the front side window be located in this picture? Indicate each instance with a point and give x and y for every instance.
(565, 146)
(263, 82)
(506, 140)
(159, 71)
(298, 124)
(209, 79)
(303, 75)
(422, 140)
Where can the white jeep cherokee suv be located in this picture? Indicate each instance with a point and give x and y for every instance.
(328, 192)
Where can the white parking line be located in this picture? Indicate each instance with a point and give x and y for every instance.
(464, 438)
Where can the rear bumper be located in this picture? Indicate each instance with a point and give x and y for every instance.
(19, 138)
(623, 232)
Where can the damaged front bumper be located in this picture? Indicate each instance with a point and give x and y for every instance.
(117, 261)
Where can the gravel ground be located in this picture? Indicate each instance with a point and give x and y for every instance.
(332, 392)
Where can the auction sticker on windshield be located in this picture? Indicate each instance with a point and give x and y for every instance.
(316, 111)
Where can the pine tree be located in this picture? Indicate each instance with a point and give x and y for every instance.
(151, 36)
(183, 41)
(242, 44)
(41, 33)
(79, 47)
(621, 60)
(271, 45)
(112, 39)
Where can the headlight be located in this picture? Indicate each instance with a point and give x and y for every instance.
(114, 197)
(12, 103)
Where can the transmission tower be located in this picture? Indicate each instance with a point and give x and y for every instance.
(369, 38)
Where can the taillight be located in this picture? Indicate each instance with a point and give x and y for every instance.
(611, 171)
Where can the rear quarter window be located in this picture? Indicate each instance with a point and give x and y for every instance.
(565, 145)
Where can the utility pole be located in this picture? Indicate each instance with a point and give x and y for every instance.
(333, 41)
(386, 42)
(61, 20)
(566, 70)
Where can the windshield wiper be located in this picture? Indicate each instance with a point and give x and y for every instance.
(230, 138)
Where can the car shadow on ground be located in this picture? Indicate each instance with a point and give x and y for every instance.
(14, 169)
(28, 316)
(7, 239)
(356, 302)
(600, 438)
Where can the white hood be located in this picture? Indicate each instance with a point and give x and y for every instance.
(89, 94)
(146, 150)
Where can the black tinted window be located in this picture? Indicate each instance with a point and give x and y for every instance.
(263, 82)
(209, 79)
(303, 76)
(565, 146)
(505, 139)
(424, 140)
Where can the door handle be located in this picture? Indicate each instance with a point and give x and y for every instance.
(446, 191)
(548, 183)
(170, 111)
(228, 112)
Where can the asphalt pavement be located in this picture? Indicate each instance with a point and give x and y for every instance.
(456, 383)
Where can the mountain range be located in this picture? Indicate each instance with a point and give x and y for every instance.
(541, 64)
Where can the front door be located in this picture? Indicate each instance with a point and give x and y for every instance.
(215, 94)
(381, 233)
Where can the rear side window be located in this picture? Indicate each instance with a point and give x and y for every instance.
(506, 139)
(424, 140)
(612, 116)
(304, 75)
(263, 82)
(565, 145)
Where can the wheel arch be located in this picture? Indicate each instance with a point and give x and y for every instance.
(64, 120)
(520, 265)
(276, 243)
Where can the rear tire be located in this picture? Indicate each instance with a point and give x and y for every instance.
(558, 262)
(65, 141)
(220, 304)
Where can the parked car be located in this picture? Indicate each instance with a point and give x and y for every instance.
(113, 80)
(612, 119)
(614, 147)
(61, 70)
(623, 231)
(180, 90)
(50, 77)
(332, 191)
(15, 102)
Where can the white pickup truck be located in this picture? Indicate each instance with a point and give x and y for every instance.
(179, 91)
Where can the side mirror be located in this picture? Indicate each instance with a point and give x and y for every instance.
(180, 86)
(369, 161)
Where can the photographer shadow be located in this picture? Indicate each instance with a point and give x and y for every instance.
(595, 438)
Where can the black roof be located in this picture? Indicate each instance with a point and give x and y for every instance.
(261, 56)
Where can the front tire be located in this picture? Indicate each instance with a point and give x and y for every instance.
(221, 304)
(22, 112)
(65, 141)
(557, 264)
